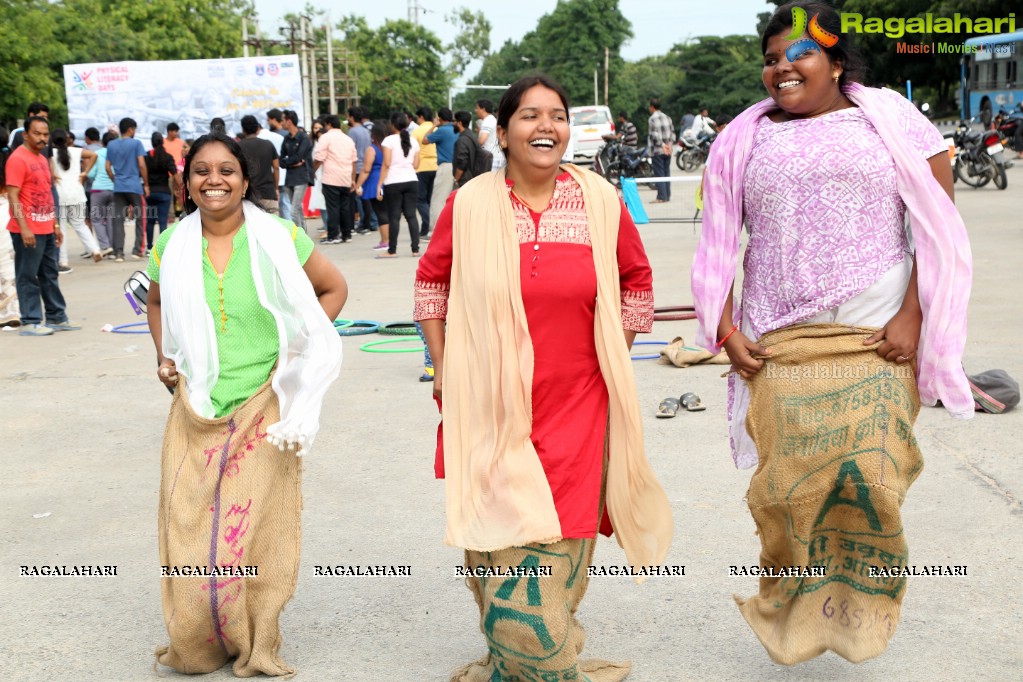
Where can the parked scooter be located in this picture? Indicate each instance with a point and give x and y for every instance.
(979, 156)
(615, 161)
(692, 153)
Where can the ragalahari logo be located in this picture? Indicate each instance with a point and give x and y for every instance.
(82, 80)
(817, 33)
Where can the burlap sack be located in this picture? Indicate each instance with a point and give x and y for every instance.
(832, 422)
(227, 498)
(679, 354)
(529, 622)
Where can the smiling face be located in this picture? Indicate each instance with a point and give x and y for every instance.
(537, 132)
(800, 77)
(215, 181)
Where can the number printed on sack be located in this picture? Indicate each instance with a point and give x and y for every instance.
(856, 619)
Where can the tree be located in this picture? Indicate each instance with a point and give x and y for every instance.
(399, 65)
(568, 44)
(471, 42)
(39, 38)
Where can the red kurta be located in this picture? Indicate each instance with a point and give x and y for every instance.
(559, 292)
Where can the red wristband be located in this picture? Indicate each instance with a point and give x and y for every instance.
(722, 341)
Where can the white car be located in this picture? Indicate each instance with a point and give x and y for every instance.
(589, 125)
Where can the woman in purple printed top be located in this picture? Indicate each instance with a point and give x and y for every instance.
(825, 175)
(817, 182)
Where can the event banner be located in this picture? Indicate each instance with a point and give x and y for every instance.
(187, 92)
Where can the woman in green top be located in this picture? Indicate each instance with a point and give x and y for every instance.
(217, 180)
(245, 316)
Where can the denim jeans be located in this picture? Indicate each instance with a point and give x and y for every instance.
(423, 200)
(35, 275)
(157, 209)
(295, 195)
(662, 169)
(284, 203)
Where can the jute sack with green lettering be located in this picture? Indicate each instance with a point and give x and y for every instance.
(833, 425)
(228, 498)
(529, 622)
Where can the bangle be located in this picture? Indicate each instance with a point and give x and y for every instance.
(722, 341)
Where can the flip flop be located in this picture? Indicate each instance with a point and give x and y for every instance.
(668, 408)
(691, 402)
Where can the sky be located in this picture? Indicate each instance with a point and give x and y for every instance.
(657, 25)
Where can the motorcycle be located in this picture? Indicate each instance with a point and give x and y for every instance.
(616, 161)
(1010, 127)
(979, 157)
(692, 153)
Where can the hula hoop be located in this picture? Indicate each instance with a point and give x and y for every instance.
(343, 324)
(398, 329)
(358, 328)
(678, 312)
(649, 356)
(123, 328)
(371, 347)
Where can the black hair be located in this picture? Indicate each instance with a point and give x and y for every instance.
(400, 123)
(108, 137)
(217, 125)
(512, 97)
(158, 151)
(425, 112)
(127, 124)
(275, 115)
(486, 105)
(91, 134)
(853, 67)
(36, 108)
(250, 126)
(236, 152)
(655, 102)
(291, 116)
(58, 139)
(5, 137)
(724, 119)
(173, 126)
(464, 117)
(378, 132)
(623, 114)
(444, 114)
(333, 120)
(356, 112)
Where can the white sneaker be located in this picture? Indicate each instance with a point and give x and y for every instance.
(35, 330)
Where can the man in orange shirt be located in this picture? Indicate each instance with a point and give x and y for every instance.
(173, 143)
(336, 152)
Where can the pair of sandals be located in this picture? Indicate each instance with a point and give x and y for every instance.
(669, 407)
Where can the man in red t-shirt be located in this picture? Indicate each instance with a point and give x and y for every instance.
(35, 235)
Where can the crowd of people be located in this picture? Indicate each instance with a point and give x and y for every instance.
(534, 287)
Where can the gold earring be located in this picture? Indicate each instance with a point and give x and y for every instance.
(835, 77)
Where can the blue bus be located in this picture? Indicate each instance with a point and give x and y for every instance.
(990, 77)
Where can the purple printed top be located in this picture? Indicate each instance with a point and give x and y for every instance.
(824, 215)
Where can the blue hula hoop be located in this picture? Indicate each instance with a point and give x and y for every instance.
(123, 328)
(649, 356)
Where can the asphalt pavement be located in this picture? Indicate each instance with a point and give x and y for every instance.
(83, 417)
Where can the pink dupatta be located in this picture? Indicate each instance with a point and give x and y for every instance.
(943, 258)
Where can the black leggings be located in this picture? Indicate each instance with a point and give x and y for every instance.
(400, 198)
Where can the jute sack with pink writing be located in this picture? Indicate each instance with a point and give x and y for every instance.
(529, 622)
(833, 424)
(230, 501)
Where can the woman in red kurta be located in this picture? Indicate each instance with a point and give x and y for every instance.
(540, 387)
(559, 291)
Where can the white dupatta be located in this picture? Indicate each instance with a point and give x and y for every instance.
(309, 357)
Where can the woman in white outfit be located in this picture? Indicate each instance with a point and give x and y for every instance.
(69, 176)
